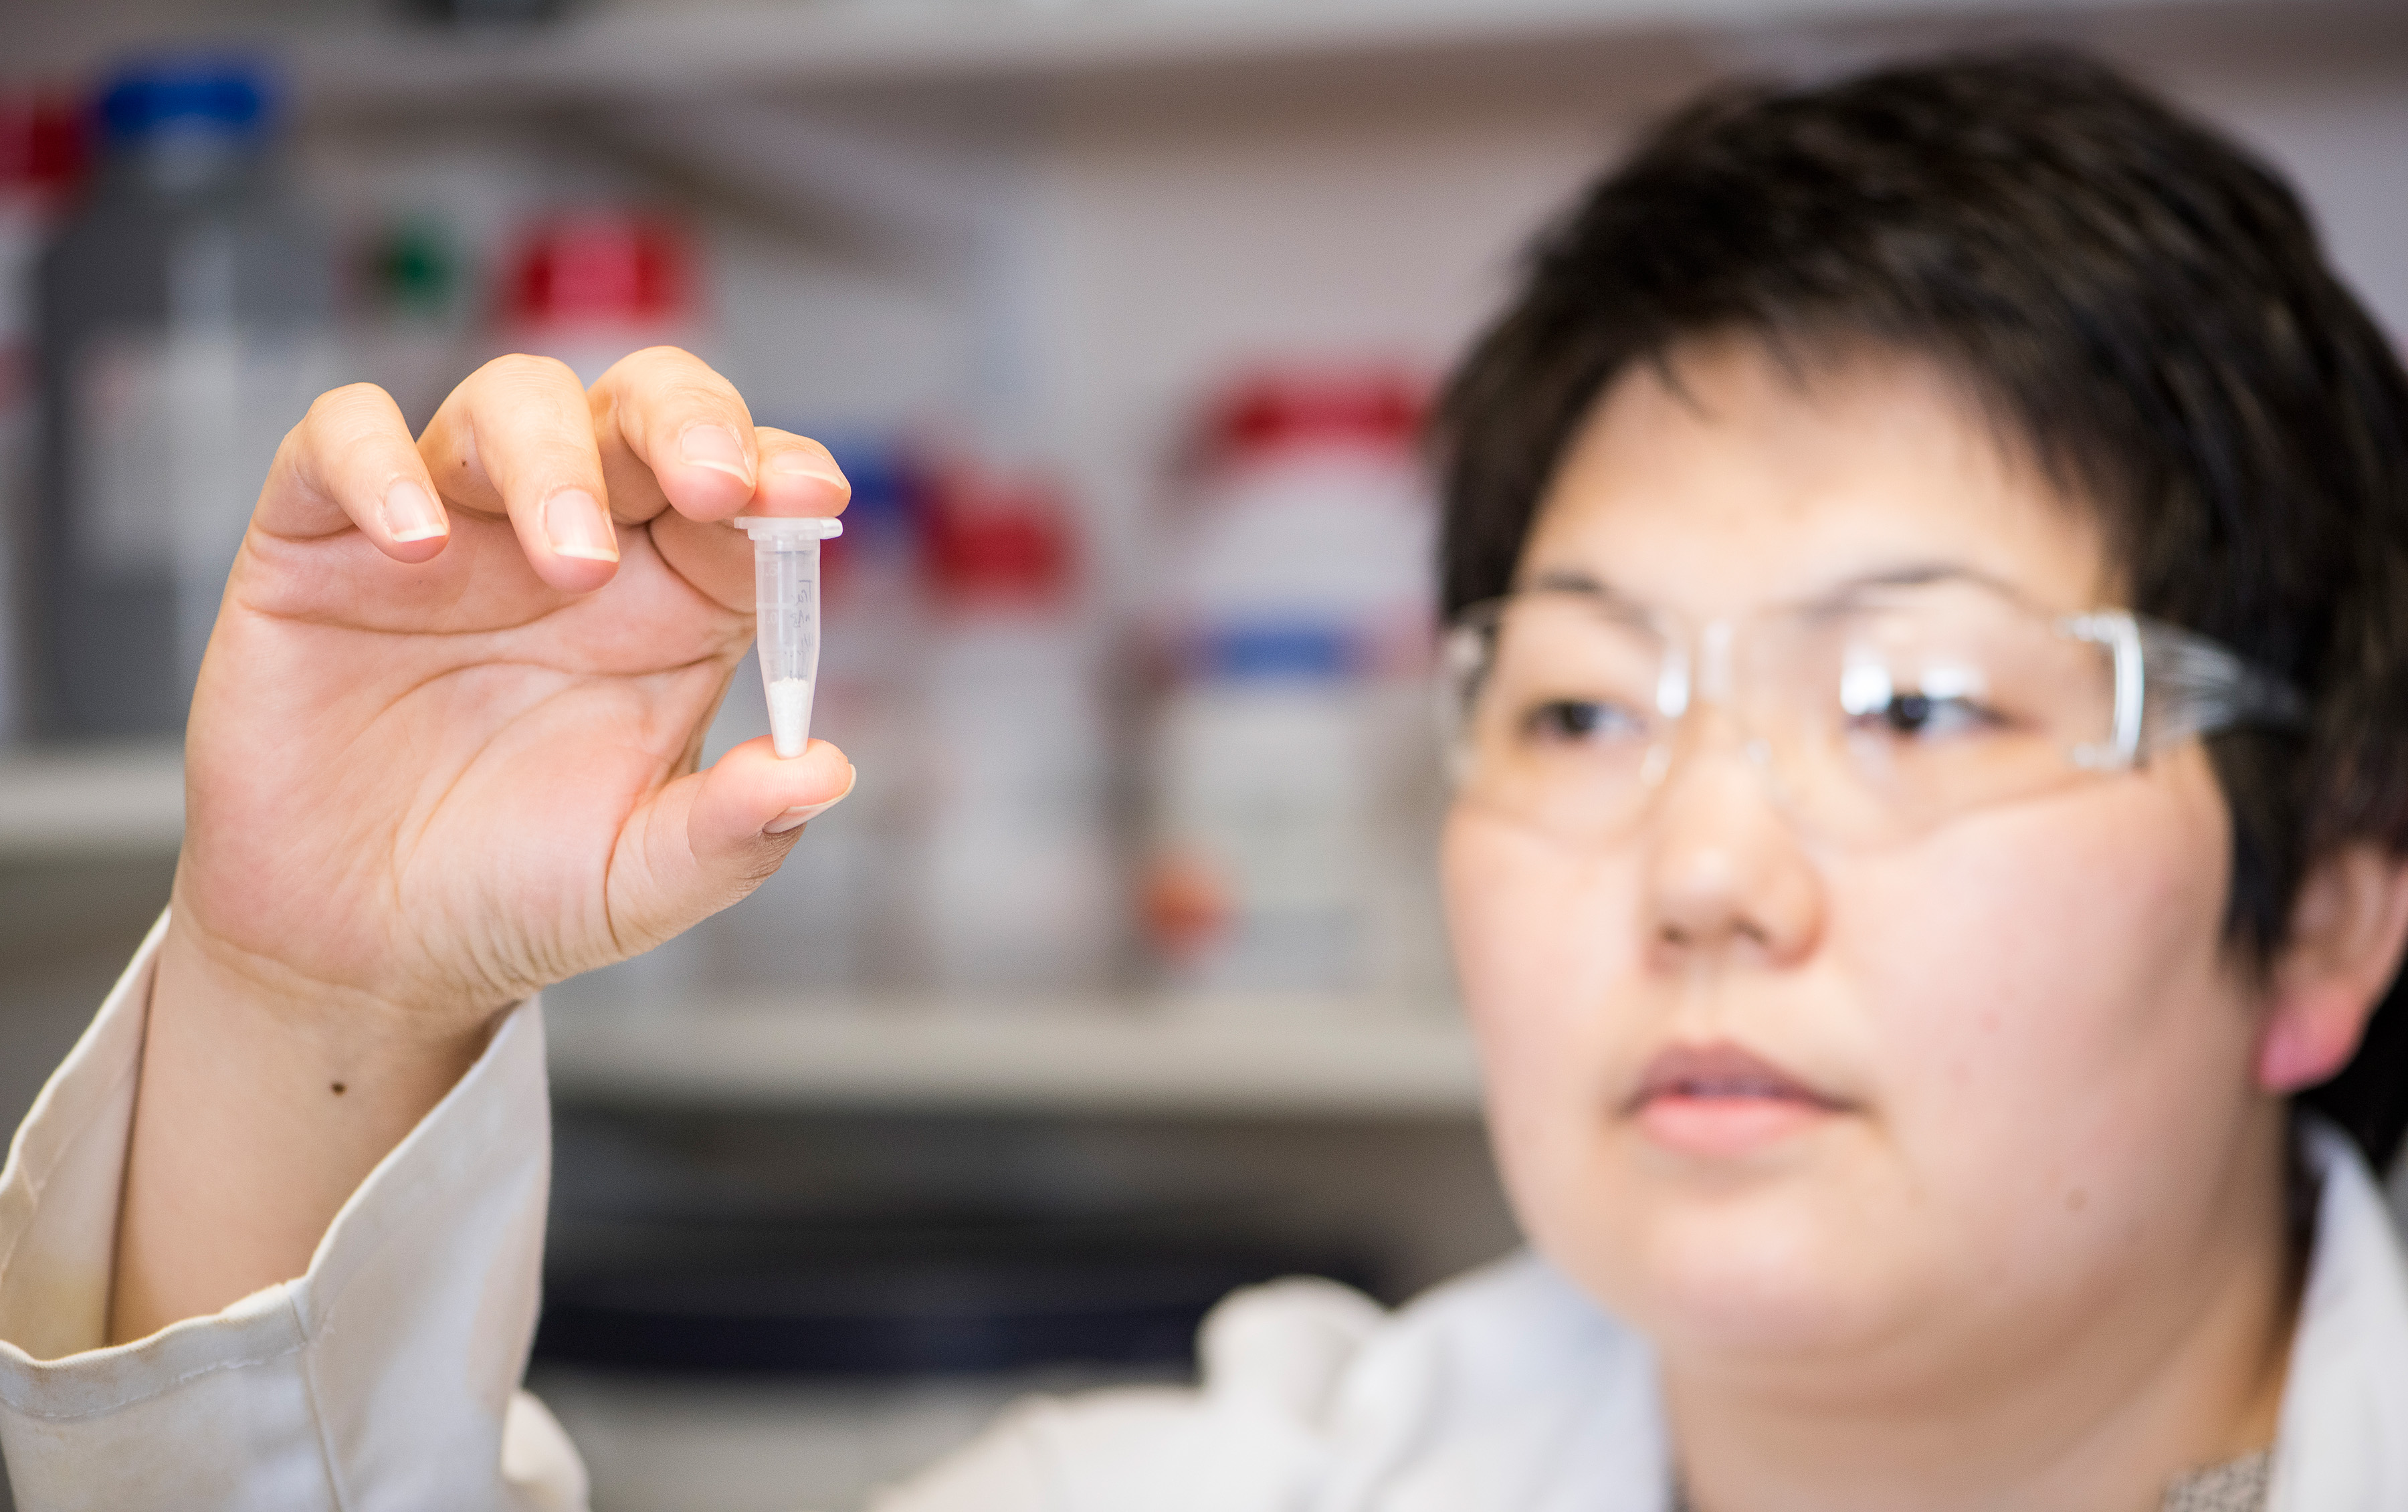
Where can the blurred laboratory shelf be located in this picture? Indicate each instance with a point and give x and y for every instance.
(643, 50)
(1308, 1059)
(91, 800)
(640, 50)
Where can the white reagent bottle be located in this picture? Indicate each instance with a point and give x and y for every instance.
(786, 605)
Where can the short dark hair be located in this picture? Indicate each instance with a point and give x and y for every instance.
(2140, 300)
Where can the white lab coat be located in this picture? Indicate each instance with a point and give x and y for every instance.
(386, 1378)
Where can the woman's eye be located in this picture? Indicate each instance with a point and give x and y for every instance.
(1580, 721)
(1925, 715)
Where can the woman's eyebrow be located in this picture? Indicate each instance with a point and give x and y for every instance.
(1577, 580)
(1835, 595)
(1906, 574)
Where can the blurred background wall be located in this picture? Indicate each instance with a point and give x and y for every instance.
(1119, 982)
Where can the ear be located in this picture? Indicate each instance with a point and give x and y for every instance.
(2329, 975)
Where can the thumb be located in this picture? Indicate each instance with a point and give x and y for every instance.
(708, 838)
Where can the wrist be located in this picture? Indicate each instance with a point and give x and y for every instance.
(232, 975)
(280, 1019)
(266, 1099)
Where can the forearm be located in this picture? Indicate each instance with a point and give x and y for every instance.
(264, 1102)
(380, 1371)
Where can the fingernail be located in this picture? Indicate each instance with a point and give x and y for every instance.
(410, 514)
(802, 814)
(717, 447)
(574, 523)
(807, 464)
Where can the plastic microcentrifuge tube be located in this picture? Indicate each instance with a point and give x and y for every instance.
(786, 604)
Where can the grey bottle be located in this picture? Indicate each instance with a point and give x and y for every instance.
(185, 314)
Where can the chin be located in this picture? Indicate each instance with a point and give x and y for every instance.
(1778, 1270)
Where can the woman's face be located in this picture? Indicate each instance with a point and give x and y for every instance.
(2027, 1068)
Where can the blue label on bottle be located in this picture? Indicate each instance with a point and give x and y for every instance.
(1298, 651)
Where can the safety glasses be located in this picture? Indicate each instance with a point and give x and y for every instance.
(1872, 715)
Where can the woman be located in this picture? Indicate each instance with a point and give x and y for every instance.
(1924, 561)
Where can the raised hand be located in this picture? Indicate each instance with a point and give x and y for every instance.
(442, 754)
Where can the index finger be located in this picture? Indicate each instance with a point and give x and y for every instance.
(350, 462)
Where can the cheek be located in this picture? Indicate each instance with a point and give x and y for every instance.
(1544, 941)
(2045, 984)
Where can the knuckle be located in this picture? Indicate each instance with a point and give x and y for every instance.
(778, 443)
(351, 405)
(671, 370)
(666, 377)
(681, 395)
(526, 371)
(666, 357)
(340, 427)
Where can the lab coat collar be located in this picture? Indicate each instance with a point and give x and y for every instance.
(2343, 1442)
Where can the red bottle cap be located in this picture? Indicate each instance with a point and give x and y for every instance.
(1274, 411)
(598, 267)
(1010, 544)
(45, 142)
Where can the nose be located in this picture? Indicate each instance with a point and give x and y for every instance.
(1726, 881)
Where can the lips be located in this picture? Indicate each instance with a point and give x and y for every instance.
(1720, 1070)
(1720, 1100)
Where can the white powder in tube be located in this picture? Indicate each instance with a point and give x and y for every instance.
(790, 714)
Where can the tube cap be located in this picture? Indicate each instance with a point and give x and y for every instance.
(783, 528)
